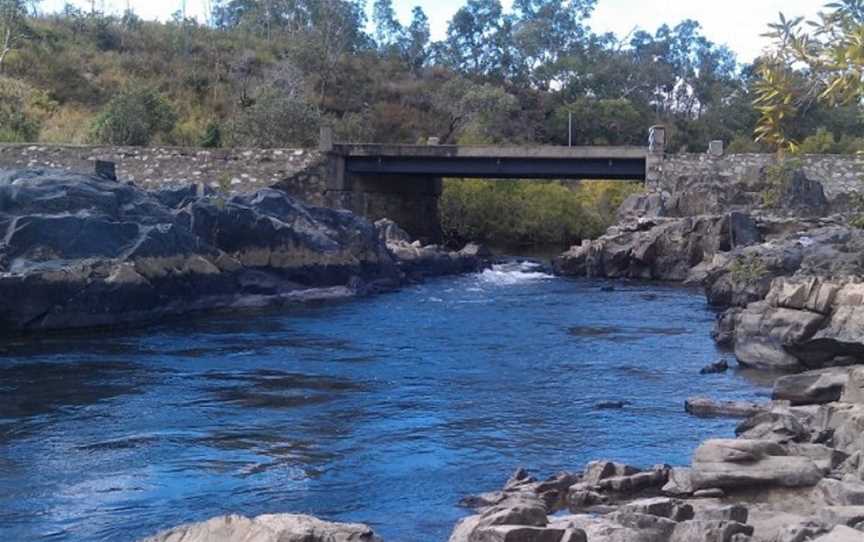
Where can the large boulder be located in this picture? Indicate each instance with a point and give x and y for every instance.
(812, 387)
(658, 248)
(774, 426)
(81, 251)
(709, 531)
(743, 463)
(763, 334)
(84, 251)
(267, 528)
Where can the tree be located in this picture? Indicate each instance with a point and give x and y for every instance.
(832, 54)
(14, 30)
(275, 112)
(479, 38)
(415, 46)
(544, 32)
(601, 122)
(461, 102)
(388, 29)
(409, 44)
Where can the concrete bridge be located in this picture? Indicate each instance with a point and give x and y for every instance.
(403, 182)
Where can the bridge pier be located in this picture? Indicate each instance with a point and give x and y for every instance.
(413, 205)
(410, 202)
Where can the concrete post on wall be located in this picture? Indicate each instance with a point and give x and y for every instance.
(656, 153)
(325, 139)
(715, 148)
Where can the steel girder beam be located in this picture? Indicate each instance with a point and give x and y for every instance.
(499, 168)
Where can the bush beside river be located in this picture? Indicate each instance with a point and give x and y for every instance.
(513, 213)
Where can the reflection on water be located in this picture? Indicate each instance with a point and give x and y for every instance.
(385, 410)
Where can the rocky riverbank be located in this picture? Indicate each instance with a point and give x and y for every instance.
(788, 281)
(81, 251)
(794, 473)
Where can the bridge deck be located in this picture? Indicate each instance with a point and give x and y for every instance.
(539, 162)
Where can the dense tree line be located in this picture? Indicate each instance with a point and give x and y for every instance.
(269, 72)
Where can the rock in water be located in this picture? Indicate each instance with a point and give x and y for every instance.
(717, 367)
(610, 405)
(702, 406)
(418, 261)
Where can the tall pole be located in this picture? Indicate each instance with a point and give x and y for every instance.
(570, 129)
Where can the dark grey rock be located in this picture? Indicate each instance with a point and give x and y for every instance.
(610, 405)
(717, 367)
(703, 406)
(85, 251)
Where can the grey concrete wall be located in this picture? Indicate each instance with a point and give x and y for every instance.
(839, 174)
(410, 202)
(297, 171)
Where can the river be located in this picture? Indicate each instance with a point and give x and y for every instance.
(385, 410)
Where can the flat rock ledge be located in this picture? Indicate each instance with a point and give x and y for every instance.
(80, 251)
(267, 528)
(793, 474)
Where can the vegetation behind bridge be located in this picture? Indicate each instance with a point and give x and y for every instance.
(268, 73)
(513, 213)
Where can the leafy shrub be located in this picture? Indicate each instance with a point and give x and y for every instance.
(212, 137)
(856, 205)
(538, 213)
(748, 269)
(850, 145)
(778, 176)
(134, 117)
(742, 144)
(275, 120)
(822, 142)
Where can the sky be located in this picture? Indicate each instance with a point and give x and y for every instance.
(736, 23)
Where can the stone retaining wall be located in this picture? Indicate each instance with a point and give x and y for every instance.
(839, 174)
(233, 170)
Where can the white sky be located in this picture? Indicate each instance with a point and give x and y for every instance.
(737, 23)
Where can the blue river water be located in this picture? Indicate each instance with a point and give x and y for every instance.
(384, 410)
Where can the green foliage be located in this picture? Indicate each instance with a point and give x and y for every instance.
(266, 72)
(545, 213)
(778, 176)
(212, 137)
(824, 63)
(743, 144)
(14, 28)
(603, 121)
(274, 119)
(462, 103)
(856, 205)
(748, 269)
(134, 117)
(822, 142)
(22, 111)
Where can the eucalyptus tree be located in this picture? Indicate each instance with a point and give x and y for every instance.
(14, 28)
(544, 32)
(824, 64)
(410, 44)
